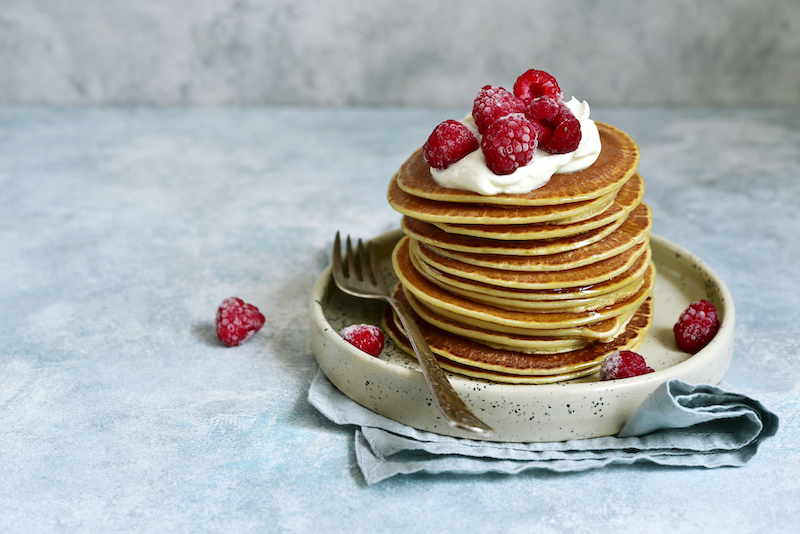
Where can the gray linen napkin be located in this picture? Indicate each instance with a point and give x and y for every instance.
(680, 424)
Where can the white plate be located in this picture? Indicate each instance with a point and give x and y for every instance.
(393, 386)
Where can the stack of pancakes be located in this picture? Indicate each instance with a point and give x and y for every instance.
(527, 288)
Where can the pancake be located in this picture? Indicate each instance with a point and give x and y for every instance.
(633, 231)
(527, 343)
(461, 213)
(586, 275)
(432, 235)
(571, 305)
(626, 200)
(617, 162)
(636, 271)
(603, 323)
(460, 355)
(457, 307)
(524, 340)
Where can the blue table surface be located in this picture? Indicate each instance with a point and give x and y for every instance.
(122, 229)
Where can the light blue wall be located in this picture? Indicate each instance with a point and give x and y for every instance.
(396, 52)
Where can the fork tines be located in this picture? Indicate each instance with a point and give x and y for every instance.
(361, 264)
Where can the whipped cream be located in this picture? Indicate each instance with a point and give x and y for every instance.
(472, 174)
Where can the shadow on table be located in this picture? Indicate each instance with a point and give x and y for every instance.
(207, 333)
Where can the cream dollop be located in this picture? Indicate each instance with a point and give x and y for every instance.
(472, 174)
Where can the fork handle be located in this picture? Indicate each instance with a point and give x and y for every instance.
(452, 407)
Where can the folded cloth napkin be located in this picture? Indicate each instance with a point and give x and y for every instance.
(679, 424)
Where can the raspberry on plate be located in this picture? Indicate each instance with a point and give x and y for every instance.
(449, 142)
(509, 143)
(237, 321)
(491, 104)
(366, 337)
(697, 325)
(623, 364)
(535, 83)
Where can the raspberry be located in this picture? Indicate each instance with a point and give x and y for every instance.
(237, 321)
(366, 337)
(544, 108)
(697, 325)
(448, 143)
(536, 83)
(509, 143)
(623, 364)
(566, 134)
(491, 104)
(543, 133)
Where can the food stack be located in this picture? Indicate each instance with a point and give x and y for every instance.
(527, 288)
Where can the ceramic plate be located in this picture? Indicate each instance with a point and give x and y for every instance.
(394, 387)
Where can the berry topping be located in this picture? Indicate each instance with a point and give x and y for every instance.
(366, 337)
(535, 83)
(491, 104)
(623, 364)
(697, 325)
(566, 134)
(543, 133)
(449, 142)
(237, 321)
(509, 143)
(544, 108)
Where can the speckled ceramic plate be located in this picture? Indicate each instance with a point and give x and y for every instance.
(393, 386)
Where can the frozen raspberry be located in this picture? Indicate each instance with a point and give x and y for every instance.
(491, 104)
(543, 133)
(449, 142)
(536, 83)
(623, 364)
(697, 325)
(366, 337)
(566, 134)
(509, 143)
(544, 108)
(237, 321)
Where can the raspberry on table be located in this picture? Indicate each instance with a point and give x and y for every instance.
(237, 321)
(623, 364)
(534, 83)
(492, 103)
(449, 142)
(696, 327)
(509, 143)
(366, 337)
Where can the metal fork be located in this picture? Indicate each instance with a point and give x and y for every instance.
(361, 277)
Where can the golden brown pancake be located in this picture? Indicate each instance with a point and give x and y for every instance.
(569, 305)
(635, 272)
(528, 342)
(464, 356)
(616, 163)
(579, 276)
(438, 298)
(626, 200)
(432, 235)
(593, 324)
(461, 213)
(634, 230)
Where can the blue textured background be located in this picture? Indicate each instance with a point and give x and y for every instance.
(123, 229)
